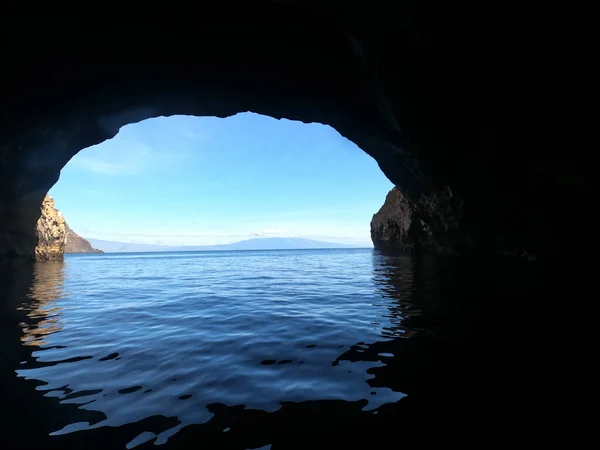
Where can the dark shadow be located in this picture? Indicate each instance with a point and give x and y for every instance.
(27, 315)
(460, 353)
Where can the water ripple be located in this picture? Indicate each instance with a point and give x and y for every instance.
(146, 347)
(139, 334)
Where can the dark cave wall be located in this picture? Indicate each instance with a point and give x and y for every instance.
(426, 90)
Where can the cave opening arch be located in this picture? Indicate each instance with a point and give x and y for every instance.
(417, 88)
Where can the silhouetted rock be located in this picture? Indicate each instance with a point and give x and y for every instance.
(391, 225)
(398, 227)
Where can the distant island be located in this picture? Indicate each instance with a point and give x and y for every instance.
(278, 243)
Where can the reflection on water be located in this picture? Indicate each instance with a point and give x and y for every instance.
(43, 314)
(417, 346)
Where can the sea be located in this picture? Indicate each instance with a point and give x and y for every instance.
(333, 348)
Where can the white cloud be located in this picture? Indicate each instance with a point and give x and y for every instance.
(97, 165)
(115, 157)
(195, 136)
(320, 232)
(129, 153)
(273, 232)
(165, 238)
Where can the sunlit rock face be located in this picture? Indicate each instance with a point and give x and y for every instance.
(440, 100)
(51, 232)
(55, 237)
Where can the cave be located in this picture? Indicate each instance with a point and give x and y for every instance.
(429, 91)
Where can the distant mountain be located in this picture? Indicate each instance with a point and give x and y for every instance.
(279, 243)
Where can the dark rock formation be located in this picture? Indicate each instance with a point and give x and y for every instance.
(438, 93)
(392, 227)
(398, 227)
(76, 244)
(50, 232)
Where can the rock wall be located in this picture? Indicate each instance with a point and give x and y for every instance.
(393, 227)
(398, 226)
(76, 244)
(51, 231)
(55, 237)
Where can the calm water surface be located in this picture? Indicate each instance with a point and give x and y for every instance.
(258, 349)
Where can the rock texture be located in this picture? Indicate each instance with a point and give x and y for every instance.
(439, 94)
(55, 237)
(51, 232)
(393, 227)
(76, 244)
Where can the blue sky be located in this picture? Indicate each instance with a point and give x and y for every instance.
(186, 180)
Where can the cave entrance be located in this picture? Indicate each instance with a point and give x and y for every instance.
(289, 61)
(202, 183)
(260, 327)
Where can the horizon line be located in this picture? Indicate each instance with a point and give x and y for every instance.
(236, 250)
(357, 244)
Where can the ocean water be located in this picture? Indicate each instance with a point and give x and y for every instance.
(250, 349)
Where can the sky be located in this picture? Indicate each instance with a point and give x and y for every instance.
(185, 180)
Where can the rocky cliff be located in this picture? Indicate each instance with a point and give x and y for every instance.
(395, 226)
(55, 237)
(51, 232)
(76, 244)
